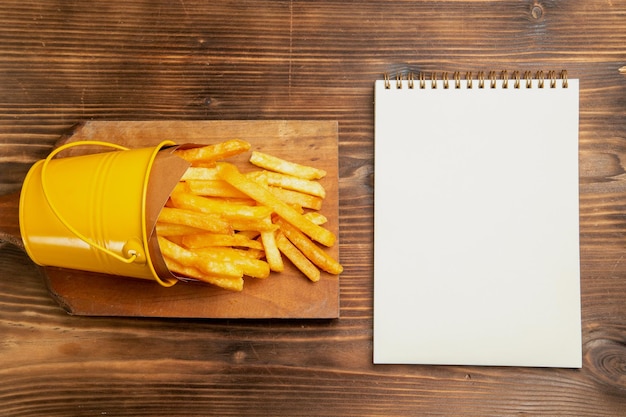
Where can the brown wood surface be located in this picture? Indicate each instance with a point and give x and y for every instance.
(67, 62)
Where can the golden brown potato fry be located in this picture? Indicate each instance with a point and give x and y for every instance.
(231, 174)
(297, 198)
(253, 253)
(259, 177)
(250, 266)
(214, 188)
(232, 284)
(291, 183)
(297, 258)
(175, 239)
(243, 225)
(220, 225)
(169, 229)
(212, 153)
(199, 173)
(275, 164)
(204, 240)
(313, 252)
(181, 187)
(316, 217)
(272, 253)
(203, 264)
(216, 206)
(211, 223)
(250, 234)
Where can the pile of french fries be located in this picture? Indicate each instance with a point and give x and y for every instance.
(221, 225)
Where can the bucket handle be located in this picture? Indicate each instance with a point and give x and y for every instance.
(132, 253)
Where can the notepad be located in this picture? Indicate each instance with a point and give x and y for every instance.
(476, 236)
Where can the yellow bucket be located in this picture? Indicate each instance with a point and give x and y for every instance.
(89, 212)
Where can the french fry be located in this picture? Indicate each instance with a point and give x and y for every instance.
(170, 229)
(250, 234)
(225, 209)
(272, 253)
(220, 224)
(204, 240)
(232, 284)
(260, 177)
(250, 266)
(203, 264)
(253, 225)
(313, 252)
(297, 258)
(316, 217)
(214, 188)
(212, 153)
(211, 223)
(280, 165)
(252, 253)
(297, 198)
(199, 173)
(181, 187)
(231, 174)
(175, 239)
(292, 183)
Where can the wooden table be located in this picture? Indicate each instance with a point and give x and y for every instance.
(62, 63)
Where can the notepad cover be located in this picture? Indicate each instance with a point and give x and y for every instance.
(476, 237)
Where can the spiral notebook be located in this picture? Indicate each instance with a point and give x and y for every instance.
(476, 236)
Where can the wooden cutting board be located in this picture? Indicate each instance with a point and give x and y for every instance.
(283, 295)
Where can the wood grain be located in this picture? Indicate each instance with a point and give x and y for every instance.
(66, 62)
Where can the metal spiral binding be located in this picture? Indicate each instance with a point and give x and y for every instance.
(550, 78)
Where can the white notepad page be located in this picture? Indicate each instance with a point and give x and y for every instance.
(476, 254)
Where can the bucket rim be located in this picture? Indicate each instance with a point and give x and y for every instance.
(134, 251)
(170, 281)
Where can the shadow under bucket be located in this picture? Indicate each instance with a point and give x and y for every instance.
(98, 212)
